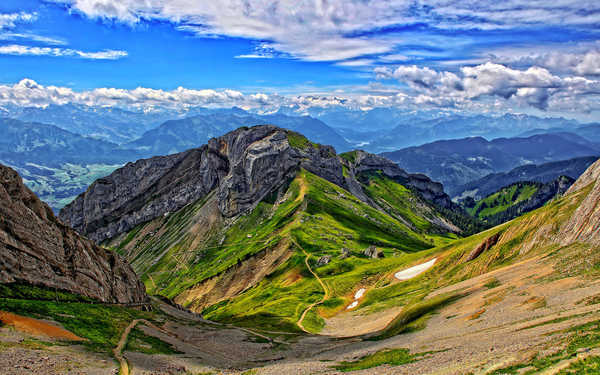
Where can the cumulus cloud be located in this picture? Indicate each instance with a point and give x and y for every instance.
(27, 92)
(16, 49)
(534, 86)
(478, 89)
(583, 59)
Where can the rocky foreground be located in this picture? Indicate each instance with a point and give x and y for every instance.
(37, 248)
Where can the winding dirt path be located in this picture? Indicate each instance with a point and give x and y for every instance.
(325, 296)
(124, 367)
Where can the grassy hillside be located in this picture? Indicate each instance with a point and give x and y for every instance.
(503, 199)
(187, 258)
(532, 235)
(298, 257)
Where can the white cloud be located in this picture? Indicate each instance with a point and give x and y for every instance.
(32, 37)
(535, 86)
(333, 30)
(393, 58)
(484, 88)
(16, 49)
(357, 62)
(581, 59)
(10, 20)
(253, 56)
(30, 93)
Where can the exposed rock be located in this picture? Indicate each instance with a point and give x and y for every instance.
(345, 253)
(242, 166)
(36, 248)
(373, 252)
(325, 259)
(584, 224)
(484, 246)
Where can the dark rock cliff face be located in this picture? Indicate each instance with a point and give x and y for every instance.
(36, 248)
(243, 166)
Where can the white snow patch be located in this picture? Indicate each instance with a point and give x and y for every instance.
(411, 272)
(360, 293)
(352, 305)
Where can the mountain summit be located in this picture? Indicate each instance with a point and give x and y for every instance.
(209, 224)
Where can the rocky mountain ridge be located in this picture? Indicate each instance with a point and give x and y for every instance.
(36, 248)
(242, 166)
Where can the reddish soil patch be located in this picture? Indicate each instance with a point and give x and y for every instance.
(37, 327)
(476, 315)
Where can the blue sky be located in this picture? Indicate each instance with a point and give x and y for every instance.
(472, 56)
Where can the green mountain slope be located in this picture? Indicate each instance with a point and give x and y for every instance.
(504, 198)
(212, 267)
(515, 200)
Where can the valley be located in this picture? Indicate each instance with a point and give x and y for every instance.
(246, 187)
(450, 308)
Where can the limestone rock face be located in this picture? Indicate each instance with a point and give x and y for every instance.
(36, 248)
(242, 166)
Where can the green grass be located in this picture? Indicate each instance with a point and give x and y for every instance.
(492, 283)
(392, 357)
(349, 156)
(332, 219)
(26, 291)
(138, 341)
(298, 141)
(414, 317)
(102, 325)
(503, 199)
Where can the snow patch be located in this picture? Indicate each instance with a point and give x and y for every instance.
(411, 272)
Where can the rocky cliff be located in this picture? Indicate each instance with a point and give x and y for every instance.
(584, 224)
(36, 248)
(242, 166)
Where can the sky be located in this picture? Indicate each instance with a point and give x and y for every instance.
(536, 57)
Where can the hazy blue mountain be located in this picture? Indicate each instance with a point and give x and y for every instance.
(108, 123)
(57, 164)
(542, 173)
(458, 162)
(387, 129)
(590, 132)
(179, 135)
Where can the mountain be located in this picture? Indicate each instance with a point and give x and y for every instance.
(458, 162)
(516, 199)
(543, 173)
(38, 249)
(57, 164)
(387, 129)
(590, 132)
(179, 135)
(106, 123)
(196, 224)
(312, 279)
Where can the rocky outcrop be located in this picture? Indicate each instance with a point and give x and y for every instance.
(483, 247)
(36, 248)
(584, 224)
(373, 252)
(242, 166)
(428, 189)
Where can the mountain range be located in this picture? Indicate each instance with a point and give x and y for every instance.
(542, 173)
(266, 243)
(179, 135)
(458, 162)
